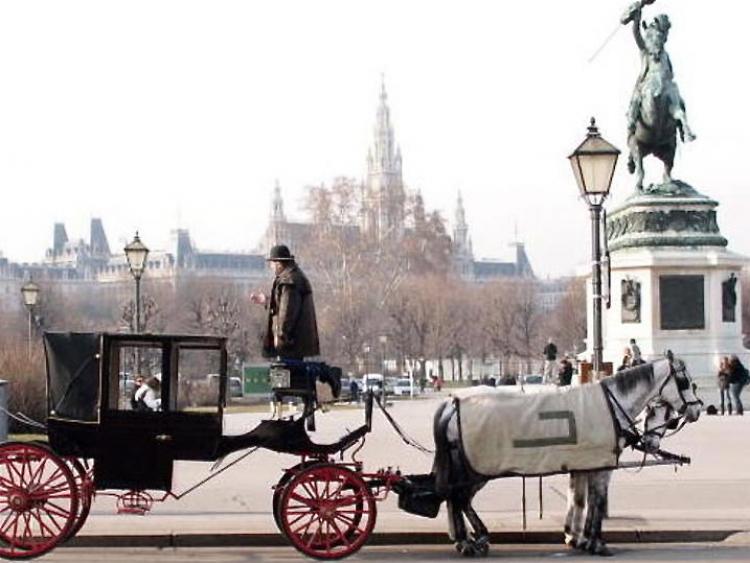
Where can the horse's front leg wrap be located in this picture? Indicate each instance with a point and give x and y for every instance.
(597, 500)
(577, 489)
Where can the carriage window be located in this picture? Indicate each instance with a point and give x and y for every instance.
(134, 368)
(198, 380)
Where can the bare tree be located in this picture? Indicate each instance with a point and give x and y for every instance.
(528, 320)
(498, 321)
(568, 320)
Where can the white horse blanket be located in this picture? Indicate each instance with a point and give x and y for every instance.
(512, 433)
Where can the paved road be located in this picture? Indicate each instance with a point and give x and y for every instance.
(713, 493)
(727, 551)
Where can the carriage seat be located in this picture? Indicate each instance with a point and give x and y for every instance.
(313, 382)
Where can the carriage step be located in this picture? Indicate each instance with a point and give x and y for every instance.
(136, 503)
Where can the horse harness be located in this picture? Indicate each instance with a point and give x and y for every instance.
(633, 437)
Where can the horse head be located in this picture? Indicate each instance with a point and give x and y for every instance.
(676, 401)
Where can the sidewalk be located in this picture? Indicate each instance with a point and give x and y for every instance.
(706, 501)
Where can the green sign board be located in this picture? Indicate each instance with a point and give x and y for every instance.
(255, 379)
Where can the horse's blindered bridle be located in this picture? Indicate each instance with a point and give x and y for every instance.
(633, 437)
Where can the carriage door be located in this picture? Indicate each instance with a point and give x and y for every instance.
(134, 454)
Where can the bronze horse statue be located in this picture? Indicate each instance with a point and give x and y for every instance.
(657, 110)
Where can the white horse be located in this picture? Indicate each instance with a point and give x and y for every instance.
(664, 384)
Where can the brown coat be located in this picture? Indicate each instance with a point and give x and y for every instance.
(292, 330)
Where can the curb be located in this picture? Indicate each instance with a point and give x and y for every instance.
(392, 538)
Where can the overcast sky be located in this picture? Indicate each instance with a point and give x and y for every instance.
(157, 114)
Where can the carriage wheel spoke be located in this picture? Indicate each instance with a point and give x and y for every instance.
(56, 510)
(58, 474)
(7, 482)
(9, 521)
(309, 489)
(44, 530)
(316, 533)
(337, 530)
(351, 526)
(308, 502)
(306, 525)
(13, 470)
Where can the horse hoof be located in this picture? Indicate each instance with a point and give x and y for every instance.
(600, 549)
(482, 545)
(467, 549)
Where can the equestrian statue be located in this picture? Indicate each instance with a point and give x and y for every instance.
(657, 111)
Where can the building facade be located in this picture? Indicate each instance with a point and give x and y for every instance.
(78, 264)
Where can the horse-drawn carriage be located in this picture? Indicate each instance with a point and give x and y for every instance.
(100, 445)
(326, 507)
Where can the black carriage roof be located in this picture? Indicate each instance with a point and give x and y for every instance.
(73, 366)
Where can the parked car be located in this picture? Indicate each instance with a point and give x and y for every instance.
(346, 390)
(234, 384)
(235, 387)
(402, 387)
(376, 383)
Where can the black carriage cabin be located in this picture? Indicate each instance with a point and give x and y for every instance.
(91, 379)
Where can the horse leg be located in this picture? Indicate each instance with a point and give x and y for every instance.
(480, 534)
(479, 542)
(679, 115)
(597, 492)
(667, 157)
(577, 489)
(635, 162)
(455, 483)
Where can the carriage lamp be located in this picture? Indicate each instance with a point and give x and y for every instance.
(593, 164)
(30, 292)
(136, 253)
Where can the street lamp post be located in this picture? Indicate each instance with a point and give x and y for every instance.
(593, 164)
(30, 292)
(136, 254)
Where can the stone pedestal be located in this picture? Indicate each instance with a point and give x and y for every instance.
(674, 284)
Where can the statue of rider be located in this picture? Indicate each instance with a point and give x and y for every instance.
(656, 77)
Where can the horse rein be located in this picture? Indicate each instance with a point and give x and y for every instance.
(631, 433)
(675, 423)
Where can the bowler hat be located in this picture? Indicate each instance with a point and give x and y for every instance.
(280, 253)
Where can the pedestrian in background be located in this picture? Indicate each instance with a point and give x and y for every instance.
(636, 358)
(627, 359)
(565, 372)
(722, 378)
(738, 378)
(550, 360)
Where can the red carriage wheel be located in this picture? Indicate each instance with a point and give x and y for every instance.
(278, 490)
(38, 500)
(85, 483)
(327, 511)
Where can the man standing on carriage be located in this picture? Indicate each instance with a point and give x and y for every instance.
(291, 329)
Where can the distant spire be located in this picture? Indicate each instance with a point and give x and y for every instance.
(461, 240)
(277, 204)
(460, 212)
(383, 148)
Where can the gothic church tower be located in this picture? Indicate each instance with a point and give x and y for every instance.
(384, 197)
(463, 254)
